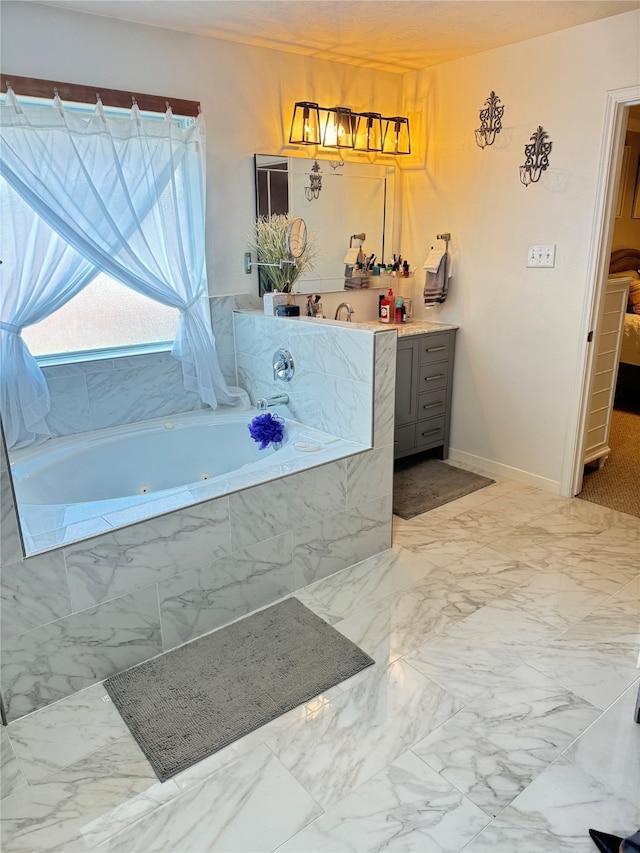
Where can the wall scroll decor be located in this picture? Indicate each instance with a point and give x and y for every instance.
(315, 182)
(490, 121)
(536, 154)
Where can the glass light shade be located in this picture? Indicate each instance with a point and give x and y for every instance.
(338, 129)
(368, 132)
(305, 124)
(396, 136)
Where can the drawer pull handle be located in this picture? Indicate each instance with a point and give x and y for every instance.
(435, 349)
(432, 405)
(430, 432)
(431, 378)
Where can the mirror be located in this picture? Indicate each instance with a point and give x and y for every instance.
(338, 200)
(296, 239)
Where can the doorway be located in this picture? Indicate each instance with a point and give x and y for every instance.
(615, 227)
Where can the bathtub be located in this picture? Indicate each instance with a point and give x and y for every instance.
(77, 486)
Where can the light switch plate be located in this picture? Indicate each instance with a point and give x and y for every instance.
(542, 256)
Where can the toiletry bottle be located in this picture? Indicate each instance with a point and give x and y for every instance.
(386, 307)
(399, 304)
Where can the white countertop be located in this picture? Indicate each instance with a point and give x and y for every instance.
(415, 327)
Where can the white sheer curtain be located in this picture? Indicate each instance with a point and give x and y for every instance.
(29, 292)
(129, 196)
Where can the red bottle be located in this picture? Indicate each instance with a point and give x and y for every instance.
(386, 307)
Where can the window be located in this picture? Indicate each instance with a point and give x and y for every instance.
(105, 314)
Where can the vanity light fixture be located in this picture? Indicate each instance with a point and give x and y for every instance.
(340, 127)
(536, 154)
(490, 121)
(305, 124)
(315, 182)
(368, 132)
(396, 136)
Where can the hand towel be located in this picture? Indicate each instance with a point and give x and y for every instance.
(437, 282)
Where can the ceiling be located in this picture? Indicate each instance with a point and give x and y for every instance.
(387, 35)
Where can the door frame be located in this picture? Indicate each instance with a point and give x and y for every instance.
(615, 124)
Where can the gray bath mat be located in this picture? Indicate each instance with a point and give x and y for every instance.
(424, 485)
(190, 702)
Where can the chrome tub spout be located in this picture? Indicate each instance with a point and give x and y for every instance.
(266, 402)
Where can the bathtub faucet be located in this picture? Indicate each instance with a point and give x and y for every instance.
(266, 402)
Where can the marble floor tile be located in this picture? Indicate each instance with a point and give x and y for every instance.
(54, 811)
(254, 804)
(63, 733)
(555, 598)
(406, 806)
(12, 778)
(521, 505)
(345, 593)
(522, 702)
(497, 745)
(597, 657)
(470, 653)
(554, 813)
(609, 749)
(488, 566)
(368, 727)
(394, 626)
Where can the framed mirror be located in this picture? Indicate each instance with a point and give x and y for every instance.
(337, 200)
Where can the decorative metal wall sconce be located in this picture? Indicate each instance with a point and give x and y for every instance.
(346, 129)
(536, 154)
(315, 185)
(490, 121)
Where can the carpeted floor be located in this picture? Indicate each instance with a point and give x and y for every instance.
(617, 484)
(422, 484)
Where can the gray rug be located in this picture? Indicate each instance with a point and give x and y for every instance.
(190, 702)
(426, 484)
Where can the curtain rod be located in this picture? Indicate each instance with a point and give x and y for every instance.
(35, 88)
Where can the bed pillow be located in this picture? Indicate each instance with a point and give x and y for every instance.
(633, 305)
(633, 302)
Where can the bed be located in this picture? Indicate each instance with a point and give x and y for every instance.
(627, 262)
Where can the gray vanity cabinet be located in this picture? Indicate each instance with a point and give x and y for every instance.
(424, 371)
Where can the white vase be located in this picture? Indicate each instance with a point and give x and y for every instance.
(271, 300)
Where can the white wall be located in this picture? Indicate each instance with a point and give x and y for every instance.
(247, 95)
(521, 341)
(521, 338)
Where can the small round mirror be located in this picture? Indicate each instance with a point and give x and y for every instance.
(296, 239)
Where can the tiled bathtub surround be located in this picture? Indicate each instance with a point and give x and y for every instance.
(100, 393)
(331, 386)
(73, 616)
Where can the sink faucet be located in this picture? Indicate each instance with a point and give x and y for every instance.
(349, 308)
(278, 400)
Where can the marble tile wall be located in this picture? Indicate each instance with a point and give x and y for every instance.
(331, 388)
(106, 392)
(73, 616)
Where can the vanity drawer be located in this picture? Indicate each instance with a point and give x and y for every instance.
(433, 376)
(435, 348)
(432, 403)
(430, 432)
(404, 438)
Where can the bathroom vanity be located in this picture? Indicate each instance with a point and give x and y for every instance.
(424, 374)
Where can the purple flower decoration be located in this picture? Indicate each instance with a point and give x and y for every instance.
(266, 429)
